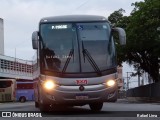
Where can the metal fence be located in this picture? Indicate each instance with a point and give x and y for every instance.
(150, 92)
(121, 94)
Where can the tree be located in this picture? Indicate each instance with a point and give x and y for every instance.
(143, 41)
(118, 19)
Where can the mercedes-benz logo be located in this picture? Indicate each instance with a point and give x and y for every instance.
(81, 88)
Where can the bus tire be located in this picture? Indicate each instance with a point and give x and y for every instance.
(36, 104)
(44, 107)
(96, 106)
(115, 100)
(22, 99)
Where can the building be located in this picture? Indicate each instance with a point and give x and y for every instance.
(1, 37)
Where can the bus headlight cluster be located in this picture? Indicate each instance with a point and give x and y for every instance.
(49, 84)
(110, 83)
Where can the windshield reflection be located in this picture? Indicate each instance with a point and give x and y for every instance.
(51, 61)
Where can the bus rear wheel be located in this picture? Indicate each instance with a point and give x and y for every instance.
(22, 99)
(96, 106)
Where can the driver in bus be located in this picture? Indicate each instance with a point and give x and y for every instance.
(50, 60)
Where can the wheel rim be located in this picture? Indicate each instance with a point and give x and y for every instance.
(22, 99)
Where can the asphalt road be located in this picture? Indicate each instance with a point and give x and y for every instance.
(121, 110)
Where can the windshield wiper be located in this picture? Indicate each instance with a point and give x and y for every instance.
(71, 53)
(90, 59)
(68, 60)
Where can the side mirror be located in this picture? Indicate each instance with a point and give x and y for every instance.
(35, 40)
(121, 34)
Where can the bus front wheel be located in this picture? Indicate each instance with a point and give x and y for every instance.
(96, 106)
(36, 104)
(44, 107)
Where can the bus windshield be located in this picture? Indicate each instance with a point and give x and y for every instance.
(77, 47)
(5, 84)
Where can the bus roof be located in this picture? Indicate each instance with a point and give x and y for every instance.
(7, 79)
(24, 82)
(73, 18)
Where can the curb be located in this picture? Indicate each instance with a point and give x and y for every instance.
(122, 100)
(143, 100)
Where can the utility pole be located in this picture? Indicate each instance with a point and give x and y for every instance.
(125, 83)
(15, 54)
(139, 75)
(128, 80)
(159, 63)
(138, 78)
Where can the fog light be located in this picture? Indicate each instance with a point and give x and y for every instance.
(110, 95)
(49, 85)
(110, 83)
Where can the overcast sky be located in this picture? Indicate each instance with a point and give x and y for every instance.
(21, 18)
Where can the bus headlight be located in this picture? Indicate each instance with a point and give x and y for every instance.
(49, 84)
(110, 83)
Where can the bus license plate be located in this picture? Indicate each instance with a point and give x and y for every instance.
(81, 97)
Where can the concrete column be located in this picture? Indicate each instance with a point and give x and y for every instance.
(1, 37)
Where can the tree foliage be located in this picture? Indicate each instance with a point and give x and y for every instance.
(143, 38)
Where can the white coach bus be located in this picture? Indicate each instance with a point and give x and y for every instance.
(76, 60)
(7, 90)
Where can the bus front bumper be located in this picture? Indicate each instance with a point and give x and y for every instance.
(71, 95)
